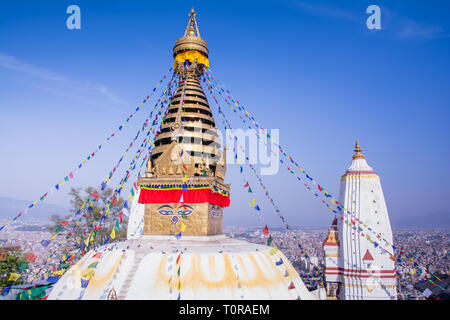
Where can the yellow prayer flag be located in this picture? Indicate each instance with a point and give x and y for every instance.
(54, 236)
(59, 272)
(130, 198)
(273, 250)
(14, 276)
(113, 233)
(87, 274)
(182, 226)
(253, 202)
(185, 178)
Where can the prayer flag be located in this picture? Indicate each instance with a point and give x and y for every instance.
(31, 257)
(97, 255)
(64, 223)
(257, 208)
(84, 283)
(113, 233)
(269, 241)
(265, 230)
(427, 292)
(14, 276)
(126, 205)
(45, 243)
(278, 263)
(95, 195)
(246, 185)
(291, 286)
(253, 202)
(250, 190)
(178, 236)
(182, 226)
(273, 250)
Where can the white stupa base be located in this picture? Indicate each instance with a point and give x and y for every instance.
(208, 268)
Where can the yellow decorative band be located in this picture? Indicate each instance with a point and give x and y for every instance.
(359, 176)
(191, 55)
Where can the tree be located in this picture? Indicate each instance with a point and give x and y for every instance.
(14, 262)
(90, 216)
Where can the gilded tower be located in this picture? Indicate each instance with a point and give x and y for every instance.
(183, 189)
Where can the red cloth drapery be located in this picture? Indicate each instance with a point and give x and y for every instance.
(195, 195)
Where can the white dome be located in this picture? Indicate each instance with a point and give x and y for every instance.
(215, 267)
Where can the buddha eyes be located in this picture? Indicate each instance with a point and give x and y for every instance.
(184, 212)
(165, 212)
(168, 210)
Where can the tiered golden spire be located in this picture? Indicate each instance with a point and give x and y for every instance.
(358, 154)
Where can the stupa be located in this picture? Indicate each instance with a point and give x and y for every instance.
(356, 266)
(175, 248)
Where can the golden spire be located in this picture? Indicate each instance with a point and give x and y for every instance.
(358, 154)
(190, 31)
(191, 40)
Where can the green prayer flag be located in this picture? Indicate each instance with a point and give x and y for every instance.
(23, 266)
(132, 192)
(117, 226)
(66, 178)
(59, 229)
(250, 190)
(93, 265)
(269, 241)
(179, 271)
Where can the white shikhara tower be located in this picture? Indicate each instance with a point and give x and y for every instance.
(355, 261)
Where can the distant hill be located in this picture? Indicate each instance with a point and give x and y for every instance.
(431, 220)
(9, 207)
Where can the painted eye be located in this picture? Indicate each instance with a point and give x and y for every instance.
(185, 212)
(165, 212)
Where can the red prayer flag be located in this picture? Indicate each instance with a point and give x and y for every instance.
(64, 223)
(31, 257)
(291, 286)
(265, 230)
(97, 255)
(114, 201)
(246, 185)
(320, 188)
(178, 259)
(120, 217)
(70, 176)
(95, 195)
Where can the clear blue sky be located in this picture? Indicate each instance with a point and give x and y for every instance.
(309, 68)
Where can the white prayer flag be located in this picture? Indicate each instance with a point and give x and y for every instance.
(427, 292)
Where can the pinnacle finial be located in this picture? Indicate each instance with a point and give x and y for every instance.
(358, 154)
(192, 25)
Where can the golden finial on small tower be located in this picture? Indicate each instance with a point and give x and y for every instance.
(358, 154)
